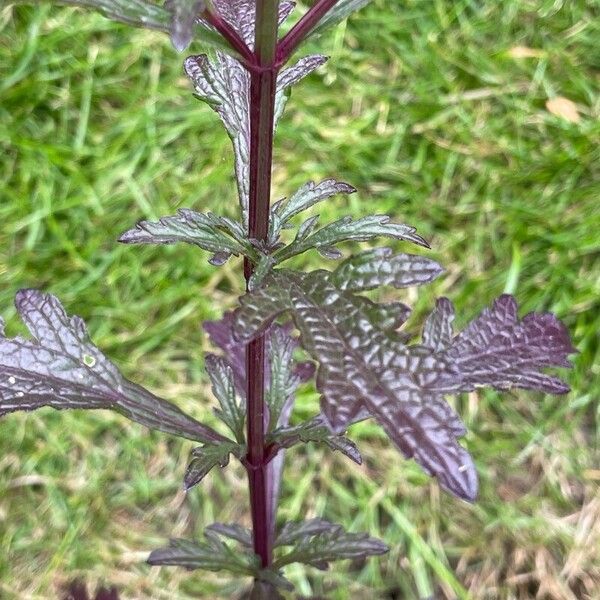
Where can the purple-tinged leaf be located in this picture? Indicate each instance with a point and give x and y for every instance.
(315, 430)
(211, 555)
(328, 543)
(232, 412)
(224, 84)
(308, 195)
(437, 331)
(498, 350)
(61, 368)
(185, 14)
(348, 230)
(205, 458)
(76, 590)
(219, 235)
(221, 335)
(232, 531)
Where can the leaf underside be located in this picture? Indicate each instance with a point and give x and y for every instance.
(367, 370)
(60, 367)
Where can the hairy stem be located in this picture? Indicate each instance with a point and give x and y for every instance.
(263, 79)
(302, 28)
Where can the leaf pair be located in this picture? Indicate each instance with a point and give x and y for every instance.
(367, 370)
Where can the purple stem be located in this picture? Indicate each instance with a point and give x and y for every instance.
(302, 28)
(263, 79)
(230, 35)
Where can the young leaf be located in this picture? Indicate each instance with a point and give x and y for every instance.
(317, 431)
(308, 195)
(293, 532)
(211, 555)
(219, 235)
(61, 368)
(345, 230)
(330, 544)
(232, 412)
(365, 369)
(204, 458)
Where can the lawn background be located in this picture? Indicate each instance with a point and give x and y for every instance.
(437, 111)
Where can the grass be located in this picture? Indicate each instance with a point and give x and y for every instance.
(437, 111)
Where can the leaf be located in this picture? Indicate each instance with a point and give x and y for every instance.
(345, 230)
(498, 350)
(221, 335)
(185, 13)
(296, 531)
(291, 76)
(365, 369)
(329, 544)
(204, 458)
(315, 430)
(338, 13)
(211, 555)
(224, 84)
(232, 412)
(233, 531)
(374, 268)
(220, 235)
(61, 368)
(284, 381)
(177, 18)
(437, 331)
(308, 195)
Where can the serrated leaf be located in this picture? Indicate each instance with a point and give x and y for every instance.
(345, 230)
(437, 331)
(224, 84)
(232, 531)
(211, 555)
(221, 335)
(374, 268)
(293, 532)
(232, 412)
(175, 18)
(339, 12)
(332, 544)
(283, 381)
(365, 369)
(61, 368)
(497, 349)
(219, 235)
(261, 269)
(205, 458)
(308, 195)
(315, 430)
(291, 76)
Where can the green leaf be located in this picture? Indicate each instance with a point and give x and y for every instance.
(232, 531)
(232, 412)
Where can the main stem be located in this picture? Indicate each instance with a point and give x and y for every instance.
(263, 79)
